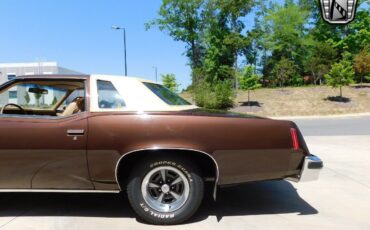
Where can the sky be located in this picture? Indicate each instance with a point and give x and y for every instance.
(78, 35)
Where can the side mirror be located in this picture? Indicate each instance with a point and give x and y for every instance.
(38, 91)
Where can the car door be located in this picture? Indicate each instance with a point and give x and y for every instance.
(39, 148)
(43, 153)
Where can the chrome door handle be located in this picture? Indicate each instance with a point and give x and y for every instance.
(75, 132)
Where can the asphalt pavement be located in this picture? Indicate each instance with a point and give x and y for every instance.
(340, 199)
(338, 126)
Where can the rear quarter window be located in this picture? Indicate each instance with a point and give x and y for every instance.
(166, 95)
(108, 96)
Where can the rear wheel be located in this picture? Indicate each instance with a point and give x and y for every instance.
(165, 190)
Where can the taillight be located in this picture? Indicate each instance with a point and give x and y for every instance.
(293, 133)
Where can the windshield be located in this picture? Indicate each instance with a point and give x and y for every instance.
(32, 96)
(165, 94)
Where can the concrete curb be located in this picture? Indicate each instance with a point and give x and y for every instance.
(349, 115)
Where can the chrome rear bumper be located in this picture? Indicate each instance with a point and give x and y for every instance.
(311, 168)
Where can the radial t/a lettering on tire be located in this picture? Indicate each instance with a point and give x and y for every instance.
(165, 190)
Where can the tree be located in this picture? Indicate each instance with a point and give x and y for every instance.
(223, 38)
(322, 31)
(356, 35)
(318, 63)
(55, 100)
(248, 80)
(37, 97)
(287, 38)
(341, 74)
(27, 97)
(182, 19)
(283, 71)
(256, 51)
(362, 63)
(211, 29)
(169, 81)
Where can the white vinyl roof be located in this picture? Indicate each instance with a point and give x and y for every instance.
(136, 95)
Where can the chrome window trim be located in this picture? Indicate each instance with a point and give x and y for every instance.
(158, 149)
(41, 117)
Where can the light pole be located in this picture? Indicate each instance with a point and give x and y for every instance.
(124, 43)
(156, 73)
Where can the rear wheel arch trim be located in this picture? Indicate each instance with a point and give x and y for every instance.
(158, 149)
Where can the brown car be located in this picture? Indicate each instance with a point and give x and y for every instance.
(107, 134)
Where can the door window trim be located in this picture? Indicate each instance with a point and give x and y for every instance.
(44, 117)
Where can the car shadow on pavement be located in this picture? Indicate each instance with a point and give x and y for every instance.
(255, 198)
(65, 204)
(274, 197)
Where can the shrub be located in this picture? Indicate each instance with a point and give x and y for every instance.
(219, 95)
(341, 74)
(297, 80)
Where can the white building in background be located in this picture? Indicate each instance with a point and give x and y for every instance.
(9, 71)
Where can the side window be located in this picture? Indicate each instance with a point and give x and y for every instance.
(166, 95)
(77, 93)
(108, 96)
(11, 76)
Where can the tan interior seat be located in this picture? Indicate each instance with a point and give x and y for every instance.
(76, 106)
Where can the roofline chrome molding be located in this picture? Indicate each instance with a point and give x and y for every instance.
(158, 149)
(60, 190)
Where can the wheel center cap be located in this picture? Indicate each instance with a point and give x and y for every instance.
(165, 188)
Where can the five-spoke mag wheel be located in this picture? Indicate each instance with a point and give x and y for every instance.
(165, 189)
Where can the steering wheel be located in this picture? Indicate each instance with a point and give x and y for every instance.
(14, 105)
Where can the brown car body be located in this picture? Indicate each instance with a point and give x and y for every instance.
(93, 151)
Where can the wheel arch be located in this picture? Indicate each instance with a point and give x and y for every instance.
(126, 162)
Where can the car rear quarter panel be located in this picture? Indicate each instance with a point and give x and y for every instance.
(245, 149)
